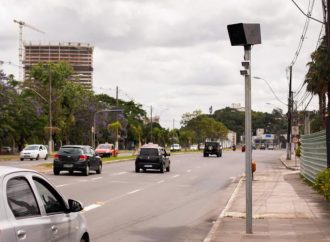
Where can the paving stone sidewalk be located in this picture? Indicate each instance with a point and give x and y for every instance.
(285, 208)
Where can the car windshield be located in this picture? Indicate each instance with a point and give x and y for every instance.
(70, 150)
(149, 151)
(32, 147)
(104, 146)
(212, 143)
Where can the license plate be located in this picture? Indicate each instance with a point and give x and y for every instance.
(68, 165)
(147, 165)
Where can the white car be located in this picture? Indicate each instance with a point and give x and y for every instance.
(32, 210)
(175, 147)
(34, 152)
(194, 147)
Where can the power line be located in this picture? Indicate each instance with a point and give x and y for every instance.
(307, 15)
(270, 87)
(303, 36)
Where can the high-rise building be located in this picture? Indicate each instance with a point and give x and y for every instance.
(78, 55)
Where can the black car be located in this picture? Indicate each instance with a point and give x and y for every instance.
(152, 156)
(212, 148)
(77, 158)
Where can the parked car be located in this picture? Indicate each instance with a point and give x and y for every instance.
(77, 158)
(6, 149)
(32, 210)
(152, 156)
(35, 151)
(212, 148)
(175, 147)
(270, 147)
(106, 150)
(262, 146)
(194, 147)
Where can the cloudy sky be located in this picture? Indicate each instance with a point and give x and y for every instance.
(173, 54)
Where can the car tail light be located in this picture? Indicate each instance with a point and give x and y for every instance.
(83, 157)
(56, 156)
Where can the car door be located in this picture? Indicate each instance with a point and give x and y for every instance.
(23, 211)
(62, 224)
(93, 160)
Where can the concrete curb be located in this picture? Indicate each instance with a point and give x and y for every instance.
(282, 159)
(223, 212)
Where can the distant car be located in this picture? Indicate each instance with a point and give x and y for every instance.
(201, 146)
(106, 150)
(77, 158)
(212, 148)
(6, 149)
(35, 151)
(243, 148)
(175, 147)
(262, 146)
(152, 156)
(270, 147)
(32, 210)
(194, 147)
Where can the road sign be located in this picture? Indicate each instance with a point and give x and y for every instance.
(295, 130)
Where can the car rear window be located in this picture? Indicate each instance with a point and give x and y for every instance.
(32, 147)
(103, 147)
(149, 151)
(70, 150)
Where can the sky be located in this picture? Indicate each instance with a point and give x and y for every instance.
(174, 55)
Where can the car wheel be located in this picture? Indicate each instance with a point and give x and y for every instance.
(204, 155)
(99, 169)
(56, 171)
(162, 168)
(46, 157)
(22, 159)
(137, 169)
(71, 172)
(37, 158)
(86, 171)
(31, 158)
(144, 169)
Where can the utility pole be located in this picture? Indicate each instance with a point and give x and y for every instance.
(116, 143)
(151, 138)
(288, 143)
(327, 33)
(50, 143)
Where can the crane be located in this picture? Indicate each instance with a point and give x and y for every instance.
(20, 49)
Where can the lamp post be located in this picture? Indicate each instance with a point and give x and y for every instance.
(50, 142)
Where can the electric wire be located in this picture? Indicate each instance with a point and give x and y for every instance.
(307, 15)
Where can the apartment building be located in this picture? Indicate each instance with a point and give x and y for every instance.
(79, 55)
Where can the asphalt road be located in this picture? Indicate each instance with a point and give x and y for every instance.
(181, 205)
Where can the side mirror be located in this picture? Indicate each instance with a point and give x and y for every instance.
(75, 206)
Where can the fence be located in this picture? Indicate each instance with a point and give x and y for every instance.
(313, 155)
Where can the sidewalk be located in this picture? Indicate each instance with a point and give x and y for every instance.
(284, 209)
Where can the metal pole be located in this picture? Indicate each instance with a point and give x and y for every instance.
(94, 134)
(288, 142)
(151, 124)
(50, 145)
(116, 144)
(248, 141)
(327, 27)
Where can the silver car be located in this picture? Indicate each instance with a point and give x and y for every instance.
(32, 210)
(35, 151)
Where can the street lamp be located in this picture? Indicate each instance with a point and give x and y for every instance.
(50, 142)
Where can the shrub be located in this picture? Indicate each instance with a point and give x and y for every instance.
(322, 183)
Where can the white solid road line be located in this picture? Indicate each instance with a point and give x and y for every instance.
(63, 185)
(223, 212)
(175, 176)
(161, 181)
(132, 192)
(188, 171)
(92, 206)
(120, 173)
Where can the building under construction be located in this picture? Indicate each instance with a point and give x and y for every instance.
(78, 55)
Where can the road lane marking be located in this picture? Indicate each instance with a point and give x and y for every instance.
(161, 181)
(92, 206)
(132, 192)
(188, 171)
(63, 185)
(120, 173)
(96, 178)
(175, 176)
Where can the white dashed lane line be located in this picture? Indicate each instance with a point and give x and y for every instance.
(132, 192)
(161, 181)
(92, 206)
(188, 171)
(175, 176)
(120, 173)
(96, 178)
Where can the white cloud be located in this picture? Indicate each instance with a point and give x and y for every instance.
(174, 55)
